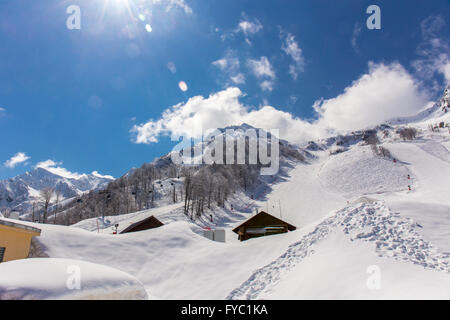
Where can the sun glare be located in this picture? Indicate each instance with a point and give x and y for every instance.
(137, 13)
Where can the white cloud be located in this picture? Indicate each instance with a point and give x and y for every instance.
(219, 110)
(176, 3)
(230, 65)
(431, 26)
(291, 48)
(433, 51)
(261, 68)
(54, 167)
(267, 85)
(445, 69)
(2, 109)
(383, 93)
(221, 63)
(238, 78)
(387, 91)
(19, 157)
(355, 35)
(249, 27)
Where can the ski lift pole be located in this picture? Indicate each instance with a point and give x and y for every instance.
(279, 205)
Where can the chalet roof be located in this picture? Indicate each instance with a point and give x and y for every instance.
(16, 225)
(273, 218)
(136, 224)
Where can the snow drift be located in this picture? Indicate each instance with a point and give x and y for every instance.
(52, 278)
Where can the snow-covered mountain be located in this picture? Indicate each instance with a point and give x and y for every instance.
(371, 208)
(20, 192)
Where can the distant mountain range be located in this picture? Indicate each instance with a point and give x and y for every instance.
(20, 192)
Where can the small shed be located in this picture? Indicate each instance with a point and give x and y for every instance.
(214, 235)
(148, 223)
(262, 224)
(15, 240)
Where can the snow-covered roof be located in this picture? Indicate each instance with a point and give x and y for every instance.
(66, 279)
(9, 223)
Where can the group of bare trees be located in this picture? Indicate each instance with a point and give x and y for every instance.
(371, 138)
(407, 133)
(204, 187)
(45, 207)
(132, 192)
(210, 185)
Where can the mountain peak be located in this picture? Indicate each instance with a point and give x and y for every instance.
(19, 192)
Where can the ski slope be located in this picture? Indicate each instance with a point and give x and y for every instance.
(405, 237)
(361, 233)
(301, 199)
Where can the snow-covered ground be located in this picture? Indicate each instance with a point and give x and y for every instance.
(404, 237)
(361, 232)
(50, 278)
(343, 258)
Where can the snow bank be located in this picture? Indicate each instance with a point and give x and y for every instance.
(52, 278)
(358, 171)
(172, 261)
(391, 237)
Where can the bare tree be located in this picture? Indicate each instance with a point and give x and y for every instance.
(32, 211)
(46, 195)
(371, 138)
(58, 196)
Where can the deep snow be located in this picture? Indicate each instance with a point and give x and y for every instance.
(50, 278)
(354, 214)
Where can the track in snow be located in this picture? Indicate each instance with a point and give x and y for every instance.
(394, 237)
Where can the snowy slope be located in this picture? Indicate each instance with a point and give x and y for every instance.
(292, 265)
(357, 223)
(391, 237)
(357, 172)
(406, 236)
(172, 261)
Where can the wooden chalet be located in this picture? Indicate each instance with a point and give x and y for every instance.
(262, 224)
(148, 223)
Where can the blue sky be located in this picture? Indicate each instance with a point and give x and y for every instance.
(93, 99)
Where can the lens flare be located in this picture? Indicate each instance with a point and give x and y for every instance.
(183, 86)
(148, 28)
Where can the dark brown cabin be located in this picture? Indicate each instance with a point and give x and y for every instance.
(262, 224)
(148, 223)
